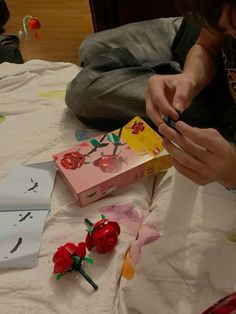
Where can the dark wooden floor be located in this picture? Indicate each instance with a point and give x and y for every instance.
(65, 23)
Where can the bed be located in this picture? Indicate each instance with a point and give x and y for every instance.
(175, 232)
(189, 267)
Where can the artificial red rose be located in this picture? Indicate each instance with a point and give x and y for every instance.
(89, 242)
(110, 163)
(104, 236)
(73, 160)
(61, 252)
(34, 23)
(70, 248)
(63, 257)
(63, 264)
(81, 250)
(67, 249)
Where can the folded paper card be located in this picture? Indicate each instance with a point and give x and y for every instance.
(98, 166)
(28, 187)
(20, 234)
(24, 205)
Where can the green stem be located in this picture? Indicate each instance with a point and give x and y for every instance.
(88, 222)
(95, 148)
(26, 20)
(116, 146)
(87, 277)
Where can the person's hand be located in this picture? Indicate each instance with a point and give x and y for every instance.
(167, 95)
(202, 155)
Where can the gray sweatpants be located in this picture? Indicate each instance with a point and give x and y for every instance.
(117, 64)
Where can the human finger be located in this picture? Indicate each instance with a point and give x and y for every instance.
(185, 144)
(206, 138)
(190, 173)
(182, 97)
(162, 94)
(185, 159)
(152, 111)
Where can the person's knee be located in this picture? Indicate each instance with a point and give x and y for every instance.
(93, 46)
(98, 43)
(81, 95)
(88, 50)
(75, 99)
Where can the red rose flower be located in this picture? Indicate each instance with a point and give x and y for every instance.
(34, 23)
(73, 160)
(110, 163)
(63, 258)
(63, 264)
(104, 236)
(81, 250)
(61, 251)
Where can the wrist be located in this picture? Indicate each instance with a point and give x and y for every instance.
(190, 76)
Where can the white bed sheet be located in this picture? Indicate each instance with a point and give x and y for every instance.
(186, 270)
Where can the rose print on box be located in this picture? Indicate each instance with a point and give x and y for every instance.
(110, 163)
(73, 160)
(106, 163)
(137, 127)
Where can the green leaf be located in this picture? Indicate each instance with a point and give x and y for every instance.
(88, 259)
(94, 142)
(113, 138)
(103, 216)
(89, 230)
(58, 276)
(76, 259)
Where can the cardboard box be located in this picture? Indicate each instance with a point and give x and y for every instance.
(98, 166)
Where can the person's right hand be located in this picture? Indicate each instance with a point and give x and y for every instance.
(168, 95)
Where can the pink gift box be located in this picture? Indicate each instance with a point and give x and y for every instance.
(99, 166)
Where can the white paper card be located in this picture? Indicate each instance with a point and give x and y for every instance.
(28, 187)
(24, 205)
(20, 237)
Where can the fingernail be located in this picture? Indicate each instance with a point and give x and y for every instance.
(160, 127)
(179, 108)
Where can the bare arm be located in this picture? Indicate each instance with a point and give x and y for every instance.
(167, 94)
(200, 62)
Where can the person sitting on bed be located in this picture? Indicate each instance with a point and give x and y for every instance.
(119, 64)
(202, 155)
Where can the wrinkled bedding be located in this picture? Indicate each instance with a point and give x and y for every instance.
(173, 232)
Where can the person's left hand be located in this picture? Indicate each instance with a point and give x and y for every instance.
(202, 155)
